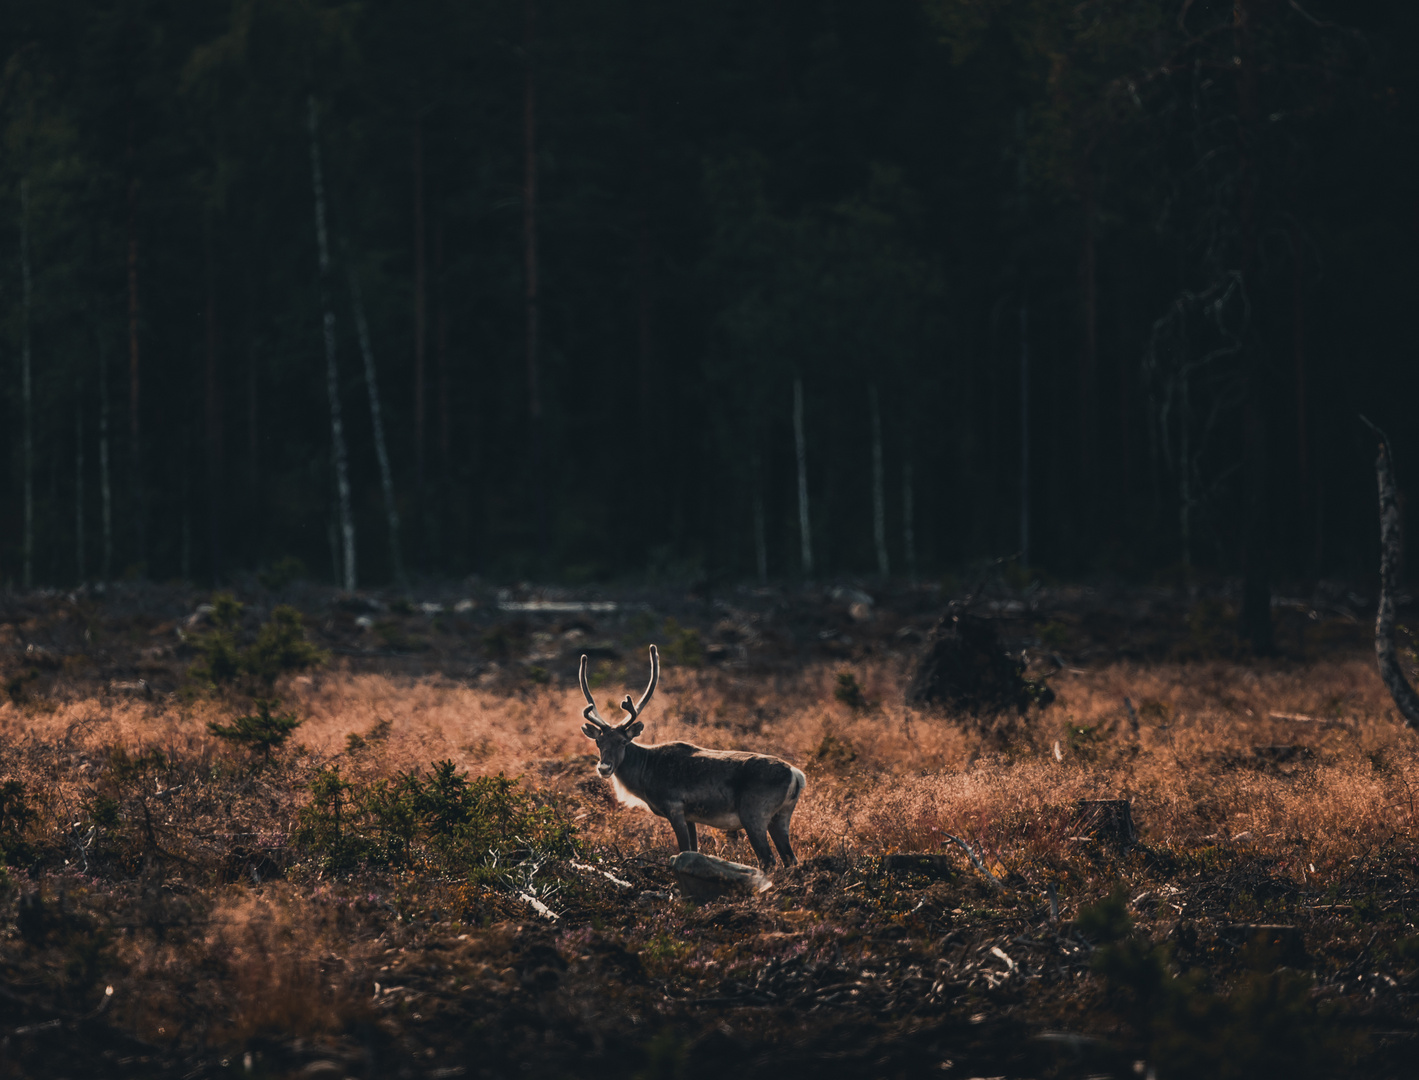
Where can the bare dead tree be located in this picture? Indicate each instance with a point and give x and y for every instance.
(1391, 556)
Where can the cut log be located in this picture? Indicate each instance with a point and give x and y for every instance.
(1108, 821)
(1280, 753)
(704, 877)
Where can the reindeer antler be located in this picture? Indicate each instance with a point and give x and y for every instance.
(590, 713)
(635, 710)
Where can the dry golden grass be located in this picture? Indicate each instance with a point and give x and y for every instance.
(883, 778)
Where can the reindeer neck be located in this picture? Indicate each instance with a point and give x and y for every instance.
(632, 768)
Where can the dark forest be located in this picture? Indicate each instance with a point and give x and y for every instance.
(641, 290)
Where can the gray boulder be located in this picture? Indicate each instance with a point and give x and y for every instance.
(703, 877)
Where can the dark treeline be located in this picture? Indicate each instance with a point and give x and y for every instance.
(1106, 282)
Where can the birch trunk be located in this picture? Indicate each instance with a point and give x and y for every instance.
(879, 492)
(908, 520)
(26, 384)
(79, 488)
(804, 528)
(332, 380)
(1024, 432)
(386, 475)
(105, 483)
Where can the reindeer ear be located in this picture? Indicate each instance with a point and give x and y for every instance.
(634, 730)
(591, 731)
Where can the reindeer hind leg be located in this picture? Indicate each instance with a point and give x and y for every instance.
(778, 832)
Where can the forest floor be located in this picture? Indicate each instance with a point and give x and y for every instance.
(178, 905)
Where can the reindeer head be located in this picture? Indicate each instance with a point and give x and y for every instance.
(612, 741)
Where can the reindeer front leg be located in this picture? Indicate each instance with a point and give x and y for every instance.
(684, 831)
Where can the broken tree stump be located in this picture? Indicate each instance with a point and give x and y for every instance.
(704, 877)
(1108, 821)
(965, 667)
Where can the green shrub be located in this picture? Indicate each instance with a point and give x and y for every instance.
(850, 693)
(260, 732)
(281, 573)
(683, 647)
(1266, 1025)
(441, 818)
(280, 646)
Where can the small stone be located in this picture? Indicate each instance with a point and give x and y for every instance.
(323, 1069)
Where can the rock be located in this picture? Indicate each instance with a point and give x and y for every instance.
(703, 877)
(323, 1069)
(964, 667)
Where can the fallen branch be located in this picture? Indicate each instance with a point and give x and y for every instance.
(977, 861)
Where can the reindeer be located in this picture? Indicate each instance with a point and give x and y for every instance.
(689, 785)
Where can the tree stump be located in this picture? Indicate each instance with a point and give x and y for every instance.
(704, 877)
(1109, 821)
(934, 865)
(965, 667)
(1279, 943)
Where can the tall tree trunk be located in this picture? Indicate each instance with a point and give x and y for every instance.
(386, 475)
(135, 440)
(253, 447)
(805, 532)
(1256, 557)
(79, 486)
(420, 302)
(441, 345)
(213, 416)
(529, 242)
(1298, 345)
(761, 547)
(1391, 556)
(1185, 464)
(332, 380)
(105, 481)
(879, 488)
(908, 519)
(185, 540)
(1089, 352)
(1024, 430)
(26, 383)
